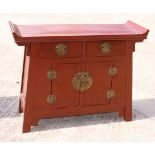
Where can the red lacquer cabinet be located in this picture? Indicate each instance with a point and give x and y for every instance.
(76, 69)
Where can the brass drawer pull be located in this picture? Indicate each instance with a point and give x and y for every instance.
(51, 75)
(112, 71)
(51, 99)
(61, 49)
(110, 94)
(82, 81)
(106, 47)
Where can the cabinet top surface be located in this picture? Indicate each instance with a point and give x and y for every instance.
(125, 31)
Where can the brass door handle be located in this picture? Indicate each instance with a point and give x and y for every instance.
(51, 75)
(51, 99)
(82, 81)
(110, 94)
(106, 47)
(61, 49)
(112, 71)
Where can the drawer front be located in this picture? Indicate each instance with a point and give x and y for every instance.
(61, 50)
(54, 88)
(105, 48)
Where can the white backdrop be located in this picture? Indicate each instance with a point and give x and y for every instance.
(77, 6)
(142, 55)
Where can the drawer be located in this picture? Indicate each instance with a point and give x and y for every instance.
(61, 50)
(105, 48)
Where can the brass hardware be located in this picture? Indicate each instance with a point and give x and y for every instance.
(112, 71)
(106, 47)
(82, 81)
(51, 99)
(110, 94)
(61, 49)
(51, 75)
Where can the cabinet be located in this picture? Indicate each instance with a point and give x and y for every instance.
(76, 69)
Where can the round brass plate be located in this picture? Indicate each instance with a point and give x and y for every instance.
(82, 81)
(110, 94)
(106, 47)
(112, 71)
(51, 99)
(61, 49)
(51, 75)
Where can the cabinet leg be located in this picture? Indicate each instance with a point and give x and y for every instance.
(128, 102)
(26, 127)
(27, 122)
(128, 114)
(20, 108)
(35, 121)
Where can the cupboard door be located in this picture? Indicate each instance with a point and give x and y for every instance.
(54, 86)
(118, 83)
(96, 95)
(108, 83)
(43, 86)
(62, 88)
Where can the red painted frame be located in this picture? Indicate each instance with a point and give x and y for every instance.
(84, 38)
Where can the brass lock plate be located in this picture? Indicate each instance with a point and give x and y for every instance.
(61, 49)
(106, 47)
(112, 71)
(82, 81)
(51, 99)
(110, 94)
(51, 75)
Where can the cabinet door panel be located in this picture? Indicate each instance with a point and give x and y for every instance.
(103, 82)
(43, 86)
(62, 88)
(96, 95)
(118, 83)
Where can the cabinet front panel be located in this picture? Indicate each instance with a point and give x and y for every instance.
(108, 83)
(105, 48)
(62, 88)
(118, 83)
(43, 86)
(96, 95)
(54, 86)
(61, 50)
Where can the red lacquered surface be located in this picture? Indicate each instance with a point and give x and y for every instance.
(62, 32)
(84, 54)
